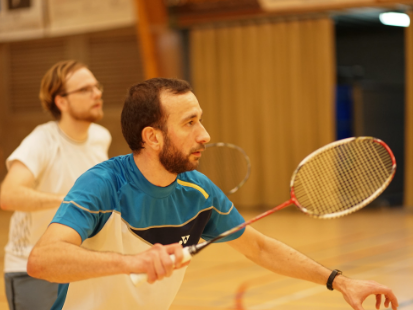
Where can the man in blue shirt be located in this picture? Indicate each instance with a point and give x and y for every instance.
(127, 215)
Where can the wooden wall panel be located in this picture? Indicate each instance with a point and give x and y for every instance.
(117, 64)
(28, 60)
(408, 181)
(269, 88)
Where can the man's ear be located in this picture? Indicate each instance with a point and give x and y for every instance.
(152, 138)
(61, 103)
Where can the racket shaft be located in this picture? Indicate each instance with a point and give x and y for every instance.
(138, 278)
(258, 217)
(197, 248)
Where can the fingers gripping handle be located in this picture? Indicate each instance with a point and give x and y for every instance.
(138, 278)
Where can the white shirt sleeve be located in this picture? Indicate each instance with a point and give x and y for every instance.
(34, 152)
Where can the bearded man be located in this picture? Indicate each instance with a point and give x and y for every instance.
(44, 167)
(129, 214)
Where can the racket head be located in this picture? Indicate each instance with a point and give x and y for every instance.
(226, 165)
(342, 177)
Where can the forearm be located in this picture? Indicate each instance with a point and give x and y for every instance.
(58, 257)
(282, 259)
(63, 262)
(21, 198)
(279, 257)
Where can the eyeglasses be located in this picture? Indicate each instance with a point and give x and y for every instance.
(86, 90)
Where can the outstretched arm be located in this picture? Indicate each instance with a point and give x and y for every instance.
(282, 259)
(58, 257)
(17, 193)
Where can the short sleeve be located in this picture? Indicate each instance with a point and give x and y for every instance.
(88, 204)
(224, 217)
(34, 152)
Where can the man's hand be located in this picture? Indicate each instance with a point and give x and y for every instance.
(157, 263)
(356, 291)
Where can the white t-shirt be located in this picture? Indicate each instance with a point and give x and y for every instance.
(56, 161)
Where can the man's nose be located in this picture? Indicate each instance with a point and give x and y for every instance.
(203, 137)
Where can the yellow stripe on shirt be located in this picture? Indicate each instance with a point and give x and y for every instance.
(203, 192)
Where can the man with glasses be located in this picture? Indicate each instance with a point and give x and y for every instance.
(44, 167)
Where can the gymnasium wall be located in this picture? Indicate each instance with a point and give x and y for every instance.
(267, 86)
(113, 56)
(232, 67)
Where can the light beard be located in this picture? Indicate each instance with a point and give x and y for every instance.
(86, 116)
(174, 160)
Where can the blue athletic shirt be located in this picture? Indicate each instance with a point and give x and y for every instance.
(115, 208)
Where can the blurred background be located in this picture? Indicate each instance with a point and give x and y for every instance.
(279, 78)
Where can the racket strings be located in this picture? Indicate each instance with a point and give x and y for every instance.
(345, 190)
(378, 171)
(343, 178)
(225, 166)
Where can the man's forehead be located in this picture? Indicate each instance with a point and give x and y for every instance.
(82, 74)
(167, 95)
(181, 104)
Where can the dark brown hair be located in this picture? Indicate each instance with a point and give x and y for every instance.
(143, 108)
(54, 83)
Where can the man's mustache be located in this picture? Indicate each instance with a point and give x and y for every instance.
(198, 149)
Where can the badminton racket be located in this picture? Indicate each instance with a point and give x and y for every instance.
(335, 180)
(226, 165)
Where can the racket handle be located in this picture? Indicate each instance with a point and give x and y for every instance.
(138, 278)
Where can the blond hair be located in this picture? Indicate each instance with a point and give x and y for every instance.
(54, 84)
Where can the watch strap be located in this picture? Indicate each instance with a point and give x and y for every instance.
(331, 278)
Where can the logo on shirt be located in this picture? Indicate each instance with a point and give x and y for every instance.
(184, 239)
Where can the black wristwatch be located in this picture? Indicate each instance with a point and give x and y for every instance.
(331, 278)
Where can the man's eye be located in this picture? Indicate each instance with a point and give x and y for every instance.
(86, 89)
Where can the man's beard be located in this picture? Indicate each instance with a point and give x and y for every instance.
(174, 160)
(87, 116)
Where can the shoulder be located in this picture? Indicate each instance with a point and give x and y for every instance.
(110, 171)
(98, 132)
(200, 182)
(37, 148)
(46, 131)
(41, 139)
(101, 183)
(196, 177)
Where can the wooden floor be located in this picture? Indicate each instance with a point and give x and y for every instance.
(374, 244)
